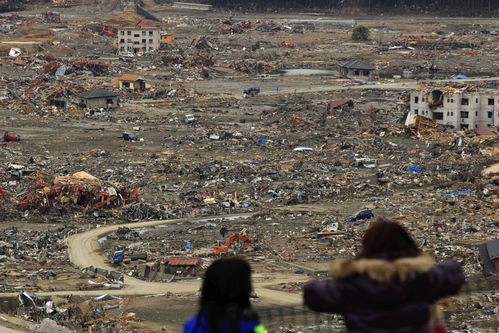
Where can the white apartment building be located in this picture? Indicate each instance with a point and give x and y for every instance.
(138, 40)
(459, 108)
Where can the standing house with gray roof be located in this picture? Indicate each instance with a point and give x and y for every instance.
(489, 256)
(355, 69)
(99, 98)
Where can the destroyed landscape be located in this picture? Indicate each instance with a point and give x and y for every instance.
(142, 140)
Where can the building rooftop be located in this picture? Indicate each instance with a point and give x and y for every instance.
(142, 24)
(339, 102)
(126, 78)
(98, 93)
(493, 249)
(357, 64)
(180, 261)
(489, 251)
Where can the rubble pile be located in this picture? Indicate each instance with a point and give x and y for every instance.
(260, 119)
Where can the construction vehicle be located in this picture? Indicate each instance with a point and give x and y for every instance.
(108, 31)
(118, 257)
(237, 242)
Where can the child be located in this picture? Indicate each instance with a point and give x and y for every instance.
(225, 306)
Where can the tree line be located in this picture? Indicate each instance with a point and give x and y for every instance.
(458, 7)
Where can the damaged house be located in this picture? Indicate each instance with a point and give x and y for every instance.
(131, 82)
(459, 108)
(489, 257)
(168, 269)
(99, 98)
(355, 69)
(137, 40)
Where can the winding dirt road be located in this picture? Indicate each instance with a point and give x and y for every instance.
(83, 250)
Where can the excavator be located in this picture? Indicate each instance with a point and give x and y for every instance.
(240, 242)
(108, 31)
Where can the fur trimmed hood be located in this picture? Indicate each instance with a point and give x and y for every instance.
(383, 270)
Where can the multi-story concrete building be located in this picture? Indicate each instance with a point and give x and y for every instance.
(459, 108)
(138, 40)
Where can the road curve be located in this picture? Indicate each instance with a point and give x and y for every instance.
(83, 250)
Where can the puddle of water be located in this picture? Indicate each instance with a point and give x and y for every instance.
(306, 72)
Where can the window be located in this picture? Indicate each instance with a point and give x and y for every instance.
(448, 100)
(150, 33)
(122, 48)
(136, 35)
(438, 115)
(356, 73)
(151, 48)
(416, 99)
(452, 113)
(452, 100)
(489, 114)
(144, 48)
(463, 126)
(464, 114)
(476, 100)
(122, 40)
(476, 114)
(143, 41)
(422, 99)
(129, 33)
(122, 33)
(366, 73)
(447, 113)
(415, 111)
(150, 41)
(490, 101)
(109, 101)
(476, 126)
(143, 33)
(465, 101)
(136, 43)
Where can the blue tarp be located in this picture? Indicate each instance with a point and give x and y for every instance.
(415, 168)
(458, 76)
(460, 192)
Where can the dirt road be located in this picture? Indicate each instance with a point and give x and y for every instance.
(282, 85)
(83, 251)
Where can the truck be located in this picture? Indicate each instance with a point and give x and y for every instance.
(118, 257)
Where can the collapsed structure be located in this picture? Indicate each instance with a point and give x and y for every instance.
(461, 108)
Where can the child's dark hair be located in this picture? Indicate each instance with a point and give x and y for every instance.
(225, 294)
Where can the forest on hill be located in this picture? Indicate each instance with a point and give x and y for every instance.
(453, 7)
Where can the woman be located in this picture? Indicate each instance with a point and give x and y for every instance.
(389, 287)
(225, 306)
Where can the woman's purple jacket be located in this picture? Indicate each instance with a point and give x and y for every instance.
(379, 296)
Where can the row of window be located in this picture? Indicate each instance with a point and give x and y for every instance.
(129, 33)
(144, 41)
(465, 126)
(464, 101)
(131, 49)
(464, 114)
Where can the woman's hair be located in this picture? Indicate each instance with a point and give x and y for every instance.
(225, 294)
(387, 239)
